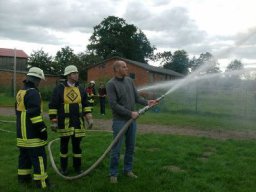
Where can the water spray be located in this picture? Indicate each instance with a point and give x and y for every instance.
(100, 159)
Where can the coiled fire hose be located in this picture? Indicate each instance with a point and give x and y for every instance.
(100, 159)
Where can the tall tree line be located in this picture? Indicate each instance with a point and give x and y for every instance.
(114, 37)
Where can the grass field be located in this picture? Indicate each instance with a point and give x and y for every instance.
(162, 162)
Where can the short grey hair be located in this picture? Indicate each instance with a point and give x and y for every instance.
(117, 64)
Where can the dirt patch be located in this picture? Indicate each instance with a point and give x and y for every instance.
(100, 124)
(161, 129)
(173, 168)
(7, 111)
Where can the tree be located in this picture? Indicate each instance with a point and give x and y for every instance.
(42, 60)
(235, 65)
(87, 59)
(114, 37)
(206, 63)
(178, 62)
(164, 57)
(66, 57)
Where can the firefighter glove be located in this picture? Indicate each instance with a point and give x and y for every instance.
(90, 123)
(89, 120)
(43, 134)
(54, 126)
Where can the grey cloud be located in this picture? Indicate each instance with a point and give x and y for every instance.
(170, 28)
(49, 15)
(239, 46)
(161, 2)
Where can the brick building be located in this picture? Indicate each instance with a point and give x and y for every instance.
(6, 79)
(142, 73)
(7, 57)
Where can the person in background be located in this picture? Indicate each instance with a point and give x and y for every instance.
(123, 96)
(31, 131)
(91, 93)
(67, 109)
(102, 97)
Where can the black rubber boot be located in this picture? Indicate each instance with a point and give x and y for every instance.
(64, 165)
(77, 164)
(24, 179)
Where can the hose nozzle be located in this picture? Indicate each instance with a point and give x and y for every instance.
(146, 108)
(161, 97)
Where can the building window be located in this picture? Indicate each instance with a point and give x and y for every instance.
(132, 75)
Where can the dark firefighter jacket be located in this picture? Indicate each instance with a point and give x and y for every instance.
(31, 129)
(90, 94)
(69, 105)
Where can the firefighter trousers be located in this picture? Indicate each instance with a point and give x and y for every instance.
(76, 149)
(33, 157)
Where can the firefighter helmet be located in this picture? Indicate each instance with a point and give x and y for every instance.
(36, 72)
(92, 82)
(70, 69)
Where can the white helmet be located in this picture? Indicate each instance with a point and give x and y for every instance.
(92, 82)
(70, 69)
(36, 72)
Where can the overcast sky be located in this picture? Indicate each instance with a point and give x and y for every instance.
(225, 28)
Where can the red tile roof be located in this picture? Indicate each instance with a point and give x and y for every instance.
(10, 53)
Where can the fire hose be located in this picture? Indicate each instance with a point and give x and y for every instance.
(100, 159)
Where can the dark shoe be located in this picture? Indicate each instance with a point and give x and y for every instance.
(26, 179)
(50, 186)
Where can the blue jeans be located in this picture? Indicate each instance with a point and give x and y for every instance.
(129, 147)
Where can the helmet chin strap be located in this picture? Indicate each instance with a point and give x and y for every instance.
(34, 80)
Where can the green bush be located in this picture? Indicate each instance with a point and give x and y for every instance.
(46, 92)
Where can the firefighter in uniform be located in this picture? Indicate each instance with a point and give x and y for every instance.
(91, 93)
(67, 109)
(31, 131)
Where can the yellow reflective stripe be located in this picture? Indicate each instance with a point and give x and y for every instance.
(40, 176)
(87, 109)
(77, 155)
(63, 155)
(91, 101)
(66, 108)
(41, 165)
(36, 119)
(66, 121)
(80, 132)
(66, 134)
(43, 175)
(66, 131)
(30, 142)
(80, 108)
(23, 125)
(20, 100)
(24, 171)
(82, 123)
(52, 112)
(44, 129)
(42, 171)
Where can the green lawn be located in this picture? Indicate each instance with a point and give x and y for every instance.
(162, 162)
